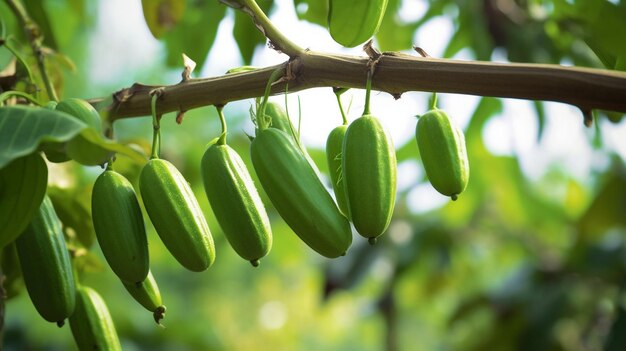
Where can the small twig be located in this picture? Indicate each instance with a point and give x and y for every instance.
(33, 34)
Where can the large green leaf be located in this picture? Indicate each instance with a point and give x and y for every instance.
(23, 128)
(195, 33)
(162, 15)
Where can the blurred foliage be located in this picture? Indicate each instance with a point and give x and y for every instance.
(514, 264)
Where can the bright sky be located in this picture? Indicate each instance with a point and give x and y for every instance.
(128, 45)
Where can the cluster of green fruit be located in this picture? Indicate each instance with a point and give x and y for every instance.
(362, 166)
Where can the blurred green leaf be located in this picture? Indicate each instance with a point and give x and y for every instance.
(246, 34)
(608, 209)
(195, 34)
(314, 11)
(74, 210)
(162, 15)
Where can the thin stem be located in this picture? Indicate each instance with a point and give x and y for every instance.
(343, 114)
(267, 28)
(19, 57)
(262, 122)
(433, 101)
(222, 138)
(8, 94)
(33, 34)
(156, 129)
(368, 90)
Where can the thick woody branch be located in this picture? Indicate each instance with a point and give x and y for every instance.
(585, 88)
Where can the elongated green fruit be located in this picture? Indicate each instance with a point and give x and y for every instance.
(176, 215)
(298, 194)
(281, 121)
(334, 146)
(22, 189)
(353, 22)
(148, 295)
(279, 117)
(236, 203)
(91, 323)
(119, 226)
(369, 174)
(46, 266)
(442, 148)
(82, 110)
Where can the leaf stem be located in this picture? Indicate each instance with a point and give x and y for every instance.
(19, 57)
(8, 94)
(277, 39)
(33, 33)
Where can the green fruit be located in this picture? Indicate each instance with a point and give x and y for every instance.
(442, 149)
(13, 281)
(334, 146)
(46, 266)
(148, 295)
(281, 121)
(279, 117)
(82, 110)
(91, 323)
(369, 174)
(23, 185)
(87, 153)
(236, 203)
(351, 23)
(298, 194)
(176, 215)
(119, 227)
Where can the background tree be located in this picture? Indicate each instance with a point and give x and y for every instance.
(530, 257)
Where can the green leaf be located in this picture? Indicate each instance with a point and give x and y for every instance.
(246, 34)
(73, 209)
(22, 129)
(37, 11)
(162, 15)
(313, 11)
(90, 148)
(195, 33)
(607, 209)
(394, 35)
(353, 22)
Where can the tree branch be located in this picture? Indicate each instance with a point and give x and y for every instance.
(396, 73)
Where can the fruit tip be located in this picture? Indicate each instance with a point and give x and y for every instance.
(61, 323)
(158, 315)
(454, 197)
(255, 263)
(372, 240)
